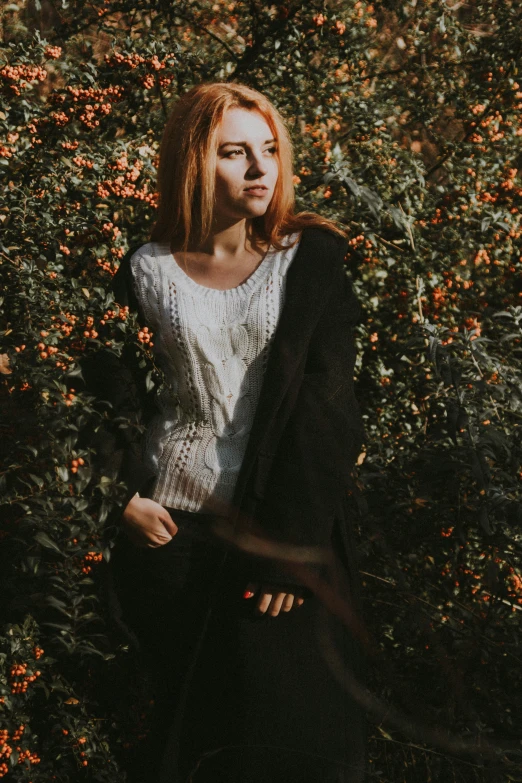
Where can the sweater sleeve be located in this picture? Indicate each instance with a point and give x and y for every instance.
(142, 277)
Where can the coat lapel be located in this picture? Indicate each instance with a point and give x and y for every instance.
(308, 283)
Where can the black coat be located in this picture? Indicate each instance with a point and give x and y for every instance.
(252, 698)
(307, 430)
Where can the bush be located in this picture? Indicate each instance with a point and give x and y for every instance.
(407, 122)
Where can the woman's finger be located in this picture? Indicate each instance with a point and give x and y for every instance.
(272, 600)
(264, 602)
(159, 539)
(276, 603)
(168, 522)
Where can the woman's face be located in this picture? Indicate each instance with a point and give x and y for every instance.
(247, 166)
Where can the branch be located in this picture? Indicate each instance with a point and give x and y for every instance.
(216, 38)
(251, 52)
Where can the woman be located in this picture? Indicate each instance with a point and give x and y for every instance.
(237, 516)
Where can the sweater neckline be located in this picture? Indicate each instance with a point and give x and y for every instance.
(248, 285)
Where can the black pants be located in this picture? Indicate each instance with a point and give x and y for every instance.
(239, 698)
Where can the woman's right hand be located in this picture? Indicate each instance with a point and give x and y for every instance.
(147, 523)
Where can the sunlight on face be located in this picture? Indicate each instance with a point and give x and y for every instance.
(247, 166)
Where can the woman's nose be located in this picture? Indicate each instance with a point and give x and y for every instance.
(258, 165)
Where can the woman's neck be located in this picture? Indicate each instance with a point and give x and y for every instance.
(229, 243)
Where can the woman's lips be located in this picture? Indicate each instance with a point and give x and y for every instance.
(256, 191)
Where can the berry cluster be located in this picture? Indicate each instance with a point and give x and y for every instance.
(60, 118)
(6, 749)
(118, 188)
(105, 265)
(111, 315)
(90, 331)
(122, 164)
(19, 77)
(145, 336)
(83, 162)
(88, 117)
(148, 81)
(110, 228)
(76, 463)
(46, 350)
(130, 60)
(65, 324)
(91, 557)
(53, 52)
(321, 131)
(96, 103)
(153, 64)
(90, 94)
(20, 670)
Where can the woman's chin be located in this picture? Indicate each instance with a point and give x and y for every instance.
(257, 207)
(247, 213)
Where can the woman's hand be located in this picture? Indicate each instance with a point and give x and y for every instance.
(272, 600)
(147, 523)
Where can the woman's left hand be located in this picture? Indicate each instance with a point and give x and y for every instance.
(271, 600)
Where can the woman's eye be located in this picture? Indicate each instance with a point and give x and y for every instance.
(273, 150)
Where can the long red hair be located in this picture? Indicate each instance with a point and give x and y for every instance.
(187, 163)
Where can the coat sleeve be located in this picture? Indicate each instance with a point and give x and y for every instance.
(118, 389)
(311, 471)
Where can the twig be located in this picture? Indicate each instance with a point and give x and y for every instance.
(408, 229)
(419, 288)
(380, 578)
(425, 750)
(216, 38)
(390, 244)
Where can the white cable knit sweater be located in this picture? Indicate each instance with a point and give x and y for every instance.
(213, 346)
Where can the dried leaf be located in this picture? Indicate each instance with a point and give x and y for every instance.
(4, 364)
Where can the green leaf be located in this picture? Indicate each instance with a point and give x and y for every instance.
(42, 538)
(63, 473)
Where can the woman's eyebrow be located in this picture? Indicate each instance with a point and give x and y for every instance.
(242, 143)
